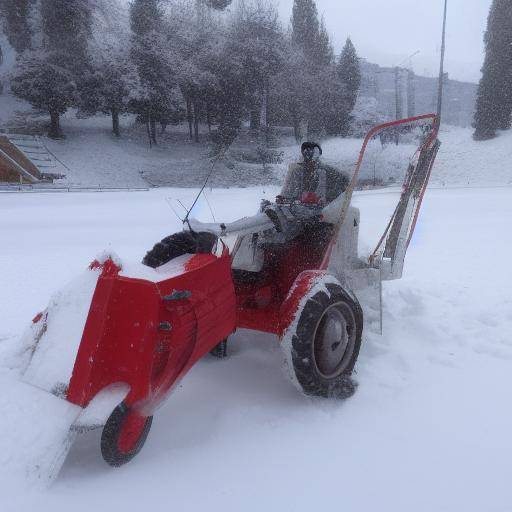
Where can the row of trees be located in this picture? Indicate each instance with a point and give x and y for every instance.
(494, 100)
(183, 60)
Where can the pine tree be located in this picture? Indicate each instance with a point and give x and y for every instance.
(310, 37)
(15, 15)
(110, 85)
(307, 33)
(349, 75)
(156, 60)
(325, 52)
(145, 16)
(258, 42)
(42, 81)
(50, 76)
(494, 99)
(66, 28)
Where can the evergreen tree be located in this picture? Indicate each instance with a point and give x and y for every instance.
(309, 34)
(325, 51)
(110, 85)
(15, 15)
(50, 76)
(348, 73)
(145, 16)
(43, 82)
(309, 37)
(199, 35)
(156, 60)
(259, 42)
(305, 26)
(494, 99)
(66, 26)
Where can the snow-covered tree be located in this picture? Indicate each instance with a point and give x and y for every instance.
(293, 94)
(345, 90)
(309, 34)
(154, 54)
(41, 80)
(15, 15)
(259, 40)
(197, 38)
(312, 78)
(349, 72)
(111, 85)
(146, 16)
(325, 52)
(50, 76)
(494, 100)
(66, 26)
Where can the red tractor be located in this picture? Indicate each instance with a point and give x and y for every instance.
(118, 340)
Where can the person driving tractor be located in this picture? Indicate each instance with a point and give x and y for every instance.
(312, 181)
(309, 184)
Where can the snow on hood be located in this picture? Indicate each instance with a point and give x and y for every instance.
(171, 269)
(55, 353)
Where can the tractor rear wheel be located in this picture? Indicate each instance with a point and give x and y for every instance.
(124, 435)
(325, 343)
(177, 245)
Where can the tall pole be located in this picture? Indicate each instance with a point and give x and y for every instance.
(398, 95)
(441, 69)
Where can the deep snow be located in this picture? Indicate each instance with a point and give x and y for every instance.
(428, 429)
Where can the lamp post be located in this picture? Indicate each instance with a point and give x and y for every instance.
(441, 67)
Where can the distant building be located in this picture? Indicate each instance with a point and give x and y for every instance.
(416, 94)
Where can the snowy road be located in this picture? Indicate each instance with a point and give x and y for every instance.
(429, 429)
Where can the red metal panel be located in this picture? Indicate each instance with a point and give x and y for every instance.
(134, 335)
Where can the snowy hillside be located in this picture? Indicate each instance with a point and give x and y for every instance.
(428, 429)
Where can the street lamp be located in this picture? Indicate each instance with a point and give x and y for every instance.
(441, 67)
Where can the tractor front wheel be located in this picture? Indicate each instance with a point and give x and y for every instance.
(124, 435)
(324, 345)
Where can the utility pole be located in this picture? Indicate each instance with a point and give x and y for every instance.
(398, 94)
(398, 101)
(411, 93)
(441, 68)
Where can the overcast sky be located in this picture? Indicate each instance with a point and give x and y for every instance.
(388, 31)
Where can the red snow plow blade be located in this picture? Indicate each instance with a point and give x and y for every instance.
(142, 330)
(148, 334)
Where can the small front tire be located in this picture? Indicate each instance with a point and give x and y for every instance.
(124, 435)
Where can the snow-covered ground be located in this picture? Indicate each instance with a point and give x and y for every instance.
(428, 429)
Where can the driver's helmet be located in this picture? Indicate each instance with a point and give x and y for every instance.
(308, 150)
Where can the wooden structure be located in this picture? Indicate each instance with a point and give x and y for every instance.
(15, 166)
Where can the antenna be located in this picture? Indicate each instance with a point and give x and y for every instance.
(441, 68)
(214, 163)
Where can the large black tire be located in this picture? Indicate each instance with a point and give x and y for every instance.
(326, 342)
(119, 444)
(177, 245)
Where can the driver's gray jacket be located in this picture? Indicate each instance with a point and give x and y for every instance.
(326, 182)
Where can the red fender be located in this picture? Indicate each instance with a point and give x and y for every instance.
(136, 334)
(301, 287)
